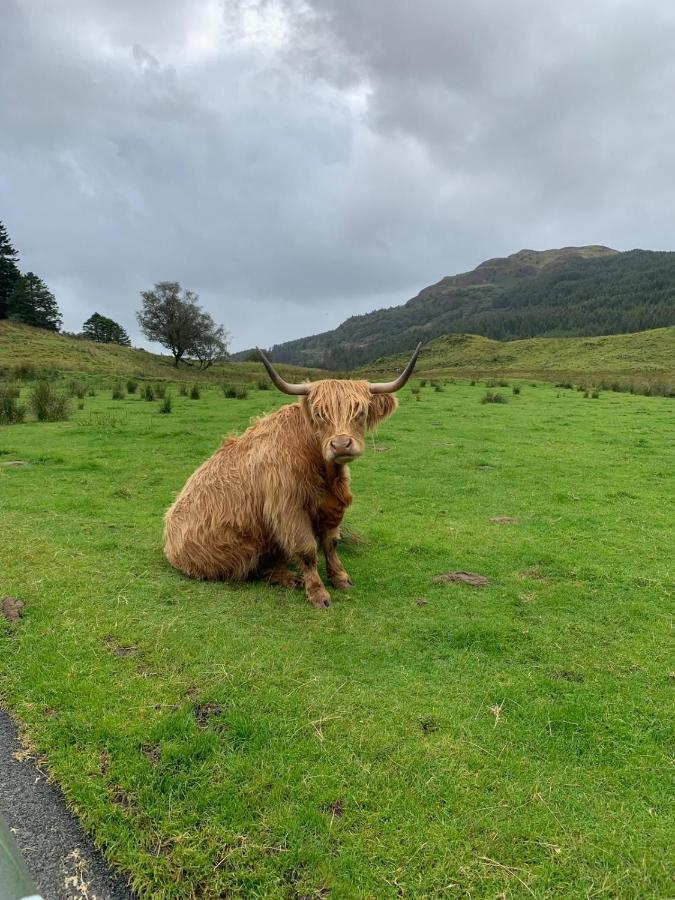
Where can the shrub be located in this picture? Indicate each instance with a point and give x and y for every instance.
(92, 391)
(595, 395)
(473, 382)
(235, 391)
(567, 385)
(183, 390)
(423, 382)
(195, 393)
(117, 391)
(264, 386)
(10, 389)
(148, 392)
(166, 404)
(439, 387)
(25, 371)
(515, 389)
(80, 404)
(132, 386)
(492, 397)
(77, 389)
(47, 404)
(160, 391)
(415, 391)
(10, 411)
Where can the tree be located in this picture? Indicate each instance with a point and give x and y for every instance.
(9, 271)
(172, 317)
(32, 303)
(211, 345)
(105, 331)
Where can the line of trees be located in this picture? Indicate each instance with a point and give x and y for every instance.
(170, 315)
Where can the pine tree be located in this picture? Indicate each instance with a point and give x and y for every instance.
(105, 331)
(32, 303)
(9, 271)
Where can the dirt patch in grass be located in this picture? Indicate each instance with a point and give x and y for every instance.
(12, 608)
(121, 798)
(104, 761)
(428, 725)
(504, 520)
(472, 578)
(117, 649)
(336, 808)
(204, 712)
(13, 463)
(567, 675)
(152, 753)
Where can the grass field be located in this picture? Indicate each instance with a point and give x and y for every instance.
(48, 353)
(643, 358)
(417, 739)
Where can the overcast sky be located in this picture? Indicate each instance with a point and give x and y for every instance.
(295, 163)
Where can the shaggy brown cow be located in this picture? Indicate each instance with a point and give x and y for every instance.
(264, 499)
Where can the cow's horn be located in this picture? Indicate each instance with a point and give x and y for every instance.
(388, 387)
(285, 386)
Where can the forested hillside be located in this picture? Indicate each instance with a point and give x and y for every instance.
(575, 291)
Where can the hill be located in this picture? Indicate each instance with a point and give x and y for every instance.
(643, 357)
(22, 346)
(551, 293)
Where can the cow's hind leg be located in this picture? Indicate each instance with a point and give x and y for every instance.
(285, 578)
(230, 557)
(272, 567)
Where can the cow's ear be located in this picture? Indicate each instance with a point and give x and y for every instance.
(381, 406)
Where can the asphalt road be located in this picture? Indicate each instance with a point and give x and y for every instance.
(61, 859)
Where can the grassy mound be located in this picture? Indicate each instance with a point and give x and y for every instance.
(642, 355)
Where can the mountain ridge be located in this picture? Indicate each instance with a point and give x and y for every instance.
(563, 292)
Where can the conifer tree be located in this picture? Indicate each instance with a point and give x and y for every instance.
(9, 271)
(32, 303)
(105, 331)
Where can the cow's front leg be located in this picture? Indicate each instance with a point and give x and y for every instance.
(315, 589)
(336, 571)
(298, 542)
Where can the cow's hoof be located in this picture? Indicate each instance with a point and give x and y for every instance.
(320, 600)
(343, 584)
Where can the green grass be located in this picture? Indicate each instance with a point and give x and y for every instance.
(417, 739)
(47, 353)
(643, 357)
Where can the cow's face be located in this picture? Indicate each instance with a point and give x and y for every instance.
(340, 412)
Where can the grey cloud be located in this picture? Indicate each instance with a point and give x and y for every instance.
(295, 163)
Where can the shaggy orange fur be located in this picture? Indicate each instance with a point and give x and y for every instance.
(264, 500)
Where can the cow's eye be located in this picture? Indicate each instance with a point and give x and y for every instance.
(360, 416)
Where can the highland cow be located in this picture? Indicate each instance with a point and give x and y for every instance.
(264, 500)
